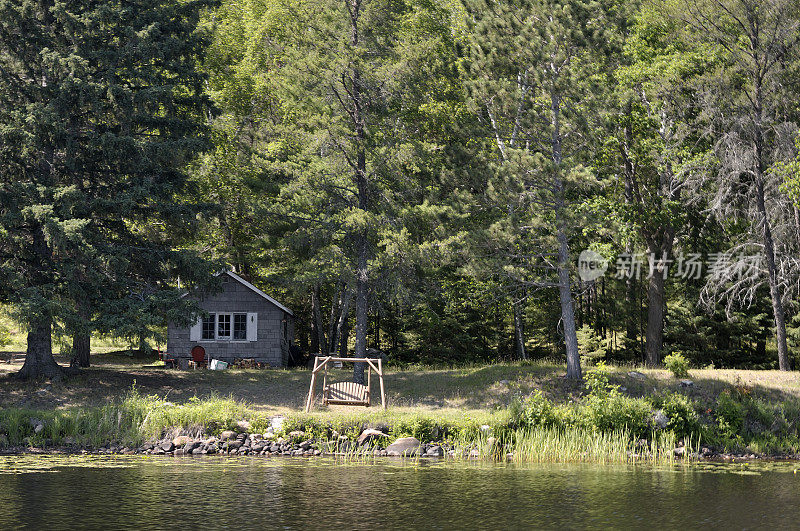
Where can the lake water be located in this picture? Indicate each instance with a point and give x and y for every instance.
(158, 493)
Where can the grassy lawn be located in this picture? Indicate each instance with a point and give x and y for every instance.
(476, 390)
(19, 340)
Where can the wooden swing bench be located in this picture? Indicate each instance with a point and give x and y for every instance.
(345, 393)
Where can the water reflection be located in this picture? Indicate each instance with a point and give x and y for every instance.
(160, 493)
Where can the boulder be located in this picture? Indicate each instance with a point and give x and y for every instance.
(687, 383)
(243, 425)
(37, 425)
(370, 436)
(227, 434)
(404, 446)
(305, 445)
(181, 440)
(276, 423)
(660, 420)
(435, 451)
(636, 375)
(167, 446)
(296, 434)
(679, 452)
(274, 449)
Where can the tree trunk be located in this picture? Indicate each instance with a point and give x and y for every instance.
(360, 175)
(344, 311)
(655, 319)
(567, 311)
(766, 232)
(344, 338)
(318, 326)
(81, 336)
(519, 329)
(336, 303)
(774, 289)
(564, 283)
(39, 361)
(81, 347)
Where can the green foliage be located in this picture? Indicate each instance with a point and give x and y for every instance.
(677, 365)
(680, 411)
(597, 382)
(590, 345)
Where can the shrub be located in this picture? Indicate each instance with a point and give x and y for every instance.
(677, 365)
(682, 416)
(591, 346)
(597, 381)
(536, 411)
(619, 412)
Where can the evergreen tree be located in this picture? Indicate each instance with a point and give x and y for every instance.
(101, 108)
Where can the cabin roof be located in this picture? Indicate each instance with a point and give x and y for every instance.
(255, 289)
(258, 291)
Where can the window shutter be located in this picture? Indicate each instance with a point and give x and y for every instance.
(196, 331)
(252, 327)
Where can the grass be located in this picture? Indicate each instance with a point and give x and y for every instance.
(761, 415)
(18, 339)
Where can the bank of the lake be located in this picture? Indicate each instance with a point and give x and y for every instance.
(616, 415)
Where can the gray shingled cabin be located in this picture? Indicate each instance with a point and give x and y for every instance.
(243, 322)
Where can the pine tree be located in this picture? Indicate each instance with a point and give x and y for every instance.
(101, 108)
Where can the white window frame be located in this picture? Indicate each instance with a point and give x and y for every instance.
(230, 338)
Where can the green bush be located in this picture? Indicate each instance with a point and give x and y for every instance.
(730, 415)
(677, 365)
(537, 411)
(597, 382)
(619, 412)
(682, 416)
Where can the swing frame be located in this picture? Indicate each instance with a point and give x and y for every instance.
(321, 365)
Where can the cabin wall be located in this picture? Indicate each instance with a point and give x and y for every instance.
(237, 298)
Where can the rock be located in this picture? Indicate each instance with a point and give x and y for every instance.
(199, 451)
(274, 449)
(305, 445)
(276, 423)
(167, 446)
(679, 452)
(243, 425)
(158, 451)
(234, 444)
(435, 451)
(504, 382)
(269, 436)
(258, 448)
(636, 375)
(227, 434)
(37, 425)
(296, 434)
(404, 446)
(212, 449)
(687, 383)
(660, 420)
(370, 436)
(181, 440)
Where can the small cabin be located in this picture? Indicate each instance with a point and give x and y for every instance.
(242, 322)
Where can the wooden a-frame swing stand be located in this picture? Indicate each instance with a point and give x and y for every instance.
(345, 393)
